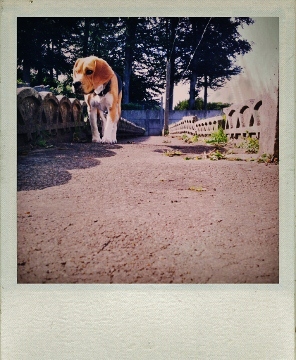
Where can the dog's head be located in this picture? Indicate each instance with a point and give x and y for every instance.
(89, 74)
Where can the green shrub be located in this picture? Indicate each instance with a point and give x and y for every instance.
(218, 137)
(199, 105)
(194, 138)
(252, 145)
(216, 155)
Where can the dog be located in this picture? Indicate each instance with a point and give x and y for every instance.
(102, 89)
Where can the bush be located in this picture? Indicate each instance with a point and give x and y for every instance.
(63, 88)
(199, 105)
(252, 145)
(218, 137)
(184, 105)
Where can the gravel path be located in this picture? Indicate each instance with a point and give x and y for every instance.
(126, 213)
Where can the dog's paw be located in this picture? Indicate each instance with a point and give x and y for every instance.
(96, 140)
(106, 140)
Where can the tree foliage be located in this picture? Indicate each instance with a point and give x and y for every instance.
(200, 50)
(216, 42)
(199, 105)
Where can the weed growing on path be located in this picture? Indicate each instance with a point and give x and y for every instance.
(216, 155)
(218, 137)
(189, 140)
(192, 158)
(172, 153)
(197, 188)
(250, 144)
(267, 159)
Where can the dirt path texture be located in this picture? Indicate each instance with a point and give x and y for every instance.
(146, 210)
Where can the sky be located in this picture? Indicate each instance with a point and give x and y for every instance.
(260, 66)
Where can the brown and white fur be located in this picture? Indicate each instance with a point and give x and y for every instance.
(102, 91)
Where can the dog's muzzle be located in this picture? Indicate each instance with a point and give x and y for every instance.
(77, 87)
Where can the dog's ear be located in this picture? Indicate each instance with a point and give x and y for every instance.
(102, 73)
(76, 64)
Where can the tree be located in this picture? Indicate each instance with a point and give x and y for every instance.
(42, 47)
(199, 105)
(217, 43)
(171, 29)
(130, 40)
(200, 50)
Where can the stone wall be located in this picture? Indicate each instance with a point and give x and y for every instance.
(61, 116)
(256, 118)
(39, 109)
(150, 120)
(153, 120)
(58, 115)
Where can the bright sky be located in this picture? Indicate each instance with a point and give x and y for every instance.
(260, 66)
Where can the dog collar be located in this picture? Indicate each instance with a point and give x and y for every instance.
(106, 89)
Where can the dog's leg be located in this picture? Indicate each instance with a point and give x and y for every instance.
(93, 118)
(108, 137)
(104, 120)
(111, 127)
(114, 131)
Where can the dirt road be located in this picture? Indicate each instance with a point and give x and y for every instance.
(126, 213)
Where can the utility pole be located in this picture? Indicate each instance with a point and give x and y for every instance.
(167, 100)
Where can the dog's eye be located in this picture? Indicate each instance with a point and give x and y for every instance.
(89, 72)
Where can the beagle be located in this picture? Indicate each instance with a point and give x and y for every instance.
(102, 89)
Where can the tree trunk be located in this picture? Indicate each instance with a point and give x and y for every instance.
(172, 72)
(172, 24)
(26, 71)
(192, 91)
(167, 99)
(206, 93)
(193, 67)
(85, 37)
(131, 25)
(39, 74)
(50, 60)
(127, 73)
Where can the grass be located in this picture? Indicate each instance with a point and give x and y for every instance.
(218, 137)
(193, 139)
(192, 158)
(188, 139)
(42, 140)
(250, 144)
(267, 159)
(172, 153)
(216, 155)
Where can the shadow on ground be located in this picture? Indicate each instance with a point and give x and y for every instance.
(42, 168)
